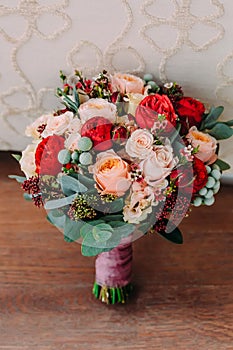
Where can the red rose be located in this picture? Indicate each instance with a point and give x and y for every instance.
(183, 178)
(98, 129)
(190, 113)
(119, 134)
(200, 175)
(159, 104)
(46, 155)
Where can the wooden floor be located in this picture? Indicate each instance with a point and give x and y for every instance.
(183, 295)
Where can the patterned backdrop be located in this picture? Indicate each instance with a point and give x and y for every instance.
(189, 41)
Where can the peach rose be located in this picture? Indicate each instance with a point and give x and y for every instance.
(206, 143)
(111, 174)
(158, 164)
(32, 129)
(127, 83)
(27, 161)
(57, 125)
(140, 143)
(97, 107)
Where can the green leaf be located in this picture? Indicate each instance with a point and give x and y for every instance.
(116, 206)
(72, 229)
(59, 203)
(222, 165)
(67, 101)
(87, 227)
(86, 181)
(117, 217)
(213, 116)
(70, 185)
(17, 156)
(175, 134)
(27, 196)
(175, 236)
(91, 247)
(54, 219)
(101, 235)
(122, 229)
(221, 131)
(229, 122)
(76, 97)
(19, 179)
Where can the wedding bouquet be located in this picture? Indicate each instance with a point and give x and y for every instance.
(123, 157)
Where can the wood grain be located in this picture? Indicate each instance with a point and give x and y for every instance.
(183, 295)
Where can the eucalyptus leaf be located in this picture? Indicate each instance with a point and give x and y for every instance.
(222, 165)
(72, 229)
(87, 181)
(213, 116)
(27, 196)
(101, 235)
(58, 221)
(76, 97)
(87, 227)
(91, 247)
(221, 131)
(117, 217)
(17, 156)
(70, 185)
(59, 203)
(19, 179)
(229, 122)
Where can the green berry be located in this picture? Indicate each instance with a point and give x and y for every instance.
(75, 156)
(211, 182)
(147, 77)
(216, 187)
(208, 169)
(203, 191)
(84, 144)
(216, 174)
(215, 166)
(64, 156)
(209, 201)
(197, 202)
(85, 158)
(209, 194)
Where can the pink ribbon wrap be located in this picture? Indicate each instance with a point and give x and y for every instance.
(114, 268)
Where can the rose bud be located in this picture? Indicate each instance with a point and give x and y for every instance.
(119, 134)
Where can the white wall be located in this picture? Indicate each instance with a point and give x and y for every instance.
(189, 41)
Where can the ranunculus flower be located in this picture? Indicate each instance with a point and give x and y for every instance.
(207, 145)
(111, 174)
(127, 83)
(46, 155)
(27, 161)
(159, 104)
(158, 164)
(97, 107)
(140, 143)
(98, 129)
(200, 175)
(190, 113)
(57, 125)
(32, 129)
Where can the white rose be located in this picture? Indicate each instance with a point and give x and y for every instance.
(134, 100)
(72, 142)
(27, 161)
(127, 83)
(74, 126)
(140, 143)
(57, 125)
(31, 130)
(97, 107)
(158, 164)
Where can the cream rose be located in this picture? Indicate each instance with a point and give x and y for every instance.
(74, 126)
(206, 145)
(134, 100)
(127, 83)
(140, 144)
(27, 161)
(97, 107)
(32, 129)
(57, 125)
(111, 174)
(71, 142)
(158, 164)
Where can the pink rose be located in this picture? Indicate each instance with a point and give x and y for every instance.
(206, 143)
(127, 83)
(158, 164)
(111, 174)
(57, 125)
(140, 143)
(97, 107)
